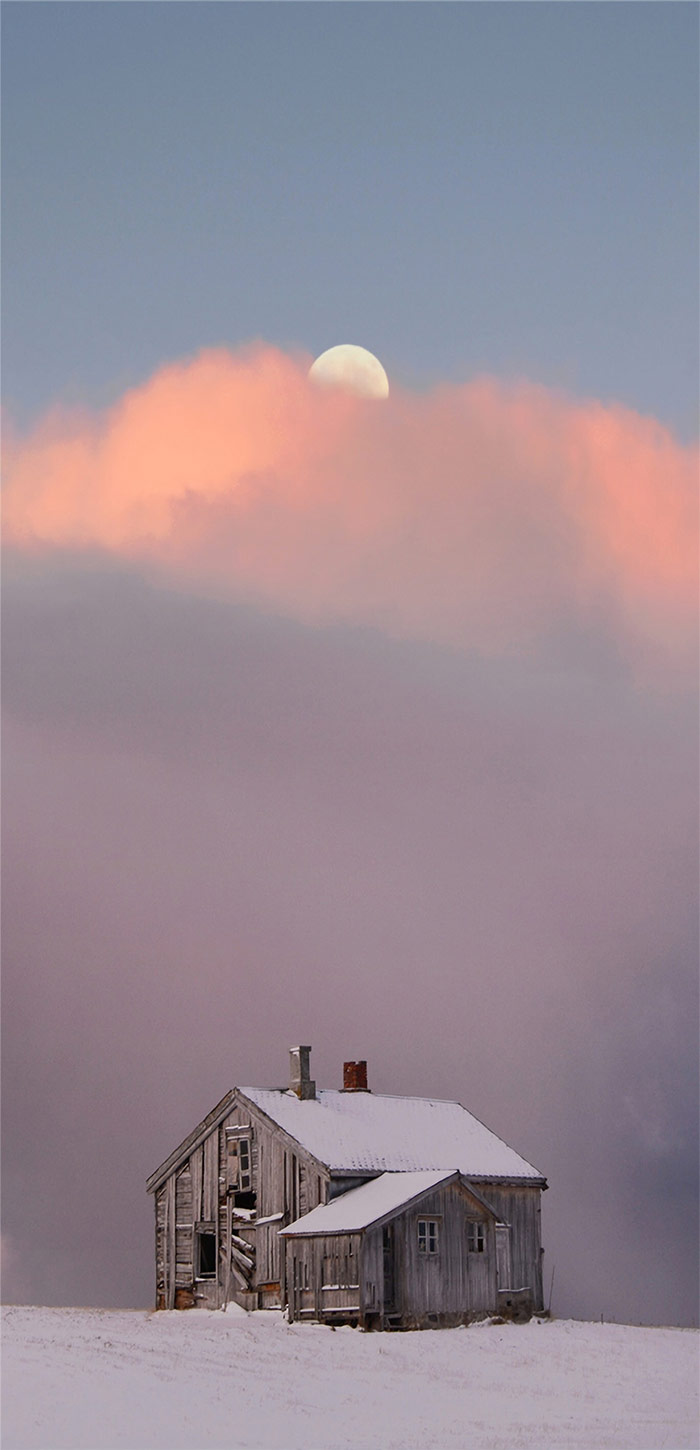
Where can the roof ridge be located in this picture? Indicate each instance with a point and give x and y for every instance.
(397, 1097)
(365, 1133)
(344, 1093)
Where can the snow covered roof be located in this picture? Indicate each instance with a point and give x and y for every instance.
(360, 1132)
(355, 1210)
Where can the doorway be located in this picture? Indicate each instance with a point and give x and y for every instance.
(389, 1268)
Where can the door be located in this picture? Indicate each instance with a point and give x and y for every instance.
(304, 1292)
(389, 1268)
(503, 1256)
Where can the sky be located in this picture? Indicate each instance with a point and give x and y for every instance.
(370, 725)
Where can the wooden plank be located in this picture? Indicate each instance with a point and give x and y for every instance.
(169, 1243)
(210, 1185)
(242, 1244)
(184, 1245)
(242, 1282)
(196, 1170)
(247, 1265)
(227, 1276)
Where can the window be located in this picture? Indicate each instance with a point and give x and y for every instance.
(427, 1236)
(240, 1167)
(475, 1237)
(244, 1163)
(206, 1253)
(239, 1162)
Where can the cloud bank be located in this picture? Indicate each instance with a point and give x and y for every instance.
(483, 516)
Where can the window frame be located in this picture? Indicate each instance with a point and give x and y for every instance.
(428, 1236)
(476, 1236)
(245, 1174)
(239, 1154)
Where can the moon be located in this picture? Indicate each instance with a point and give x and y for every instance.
(352, 368)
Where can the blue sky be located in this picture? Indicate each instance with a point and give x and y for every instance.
(462, 188)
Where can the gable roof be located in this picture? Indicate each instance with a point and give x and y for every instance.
(358, 1208)
(360, 1132)
(191, 1142)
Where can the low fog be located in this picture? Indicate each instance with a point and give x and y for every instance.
(226, 831)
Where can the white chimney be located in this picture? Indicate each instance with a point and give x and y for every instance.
(299, 1079)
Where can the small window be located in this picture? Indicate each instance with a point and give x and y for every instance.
(240, 1168)
(427, 1236)
(206, 1254)
(244, 1163)
(475, 1238)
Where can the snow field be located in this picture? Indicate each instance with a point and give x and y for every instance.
(97, 1379)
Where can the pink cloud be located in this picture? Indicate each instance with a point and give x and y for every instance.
(483, 516)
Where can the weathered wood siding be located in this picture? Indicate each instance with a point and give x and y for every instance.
(257, 1269)
(372, 1273)
(209, 1182)
(343, 1275)
(165, 1245)
(453, 1281)
(323, 1277)
(520, 1206)
(287, 1182)
(184, 1229)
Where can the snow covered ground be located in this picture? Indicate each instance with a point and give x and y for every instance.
(93, 1379)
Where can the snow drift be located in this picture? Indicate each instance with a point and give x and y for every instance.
(78, 1378)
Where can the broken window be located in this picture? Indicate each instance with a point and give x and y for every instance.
(206, 1253)
(240, 1168)
(475, 1237)
(244, 1176)
(427, 1236)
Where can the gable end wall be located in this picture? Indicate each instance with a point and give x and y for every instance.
(286, 1180)
(519, 1204)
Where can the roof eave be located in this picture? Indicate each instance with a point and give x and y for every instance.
(375, 1222)
(535, 1180)
(192, 1141)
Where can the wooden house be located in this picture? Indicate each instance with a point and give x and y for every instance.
(347, 1206)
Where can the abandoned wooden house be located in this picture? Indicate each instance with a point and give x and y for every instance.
(347, 1207)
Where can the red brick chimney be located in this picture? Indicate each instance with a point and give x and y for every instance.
(355, 1077)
